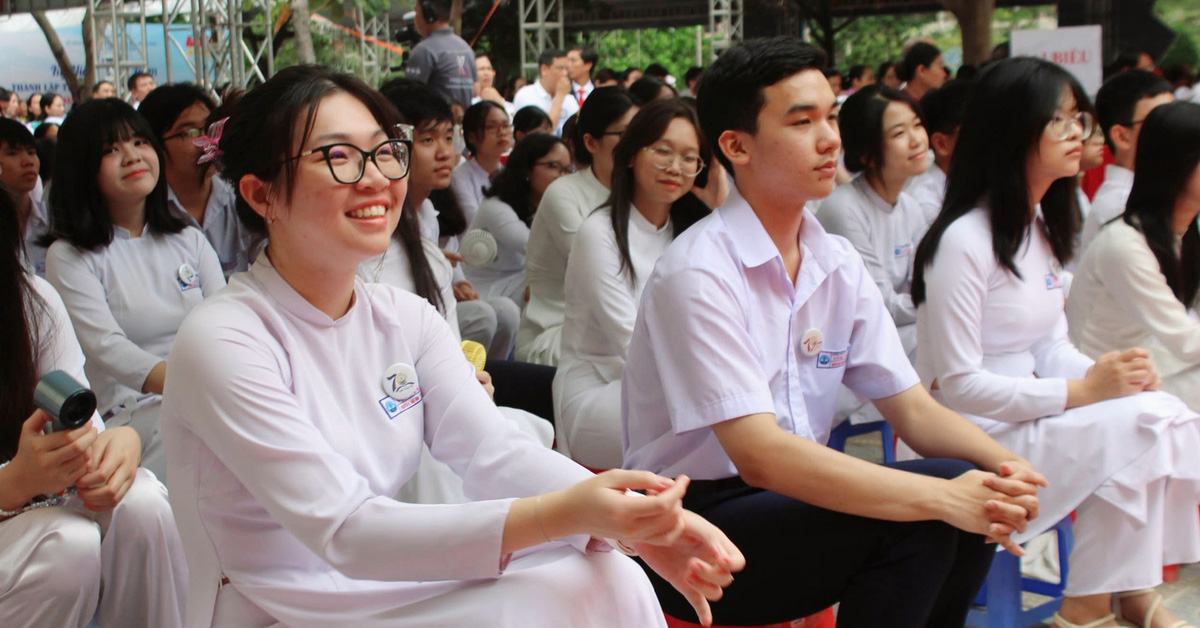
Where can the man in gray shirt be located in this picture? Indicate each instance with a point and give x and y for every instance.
(443, 60)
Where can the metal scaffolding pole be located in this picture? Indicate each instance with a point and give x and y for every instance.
(118, 53)
(376, 60)
(541, 28)
(725, 20)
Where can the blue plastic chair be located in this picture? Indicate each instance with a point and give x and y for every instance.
(1001, 592)
(837, 438)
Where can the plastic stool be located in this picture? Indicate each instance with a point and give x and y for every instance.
(837, 438)
(1001, 593)
(823, 619)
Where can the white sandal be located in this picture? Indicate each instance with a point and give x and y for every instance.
(1059, 622)
(1146, 621)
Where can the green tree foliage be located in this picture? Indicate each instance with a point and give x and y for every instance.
(674, 48)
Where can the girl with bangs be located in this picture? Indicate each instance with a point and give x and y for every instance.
(989, 285)
(299, 399)
(128, 269)
(654, 166)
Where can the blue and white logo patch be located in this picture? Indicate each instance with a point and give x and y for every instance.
(394, 407)
(902, 250)
(1053, 282)
(832, 359)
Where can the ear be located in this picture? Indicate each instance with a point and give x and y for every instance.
(940, 143)
(736, 146)
(590, 143)
(257, 193)
(1122, 137)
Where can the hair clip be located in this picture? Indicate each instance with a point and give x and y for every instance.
(210, 142)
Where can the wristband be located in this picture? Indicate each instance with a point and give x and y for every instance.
(41, 501)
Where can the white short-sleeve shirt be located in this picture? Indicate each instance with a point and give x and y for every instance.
(1108, 203)
(127, 300)
(536, 95)
(221, 225)
(721, 334)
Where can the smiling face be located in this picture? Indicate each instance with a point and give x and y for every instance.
(129, 171)
(344, 224)
(652, 184)
(792, 157)
(905, 142)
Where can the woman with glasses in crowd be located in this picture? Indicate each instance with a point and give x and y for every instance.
(993, 344)
(302, 397)
(602, 120)
(507, 211)
(654, 166)
(488, 134)
(128, 269)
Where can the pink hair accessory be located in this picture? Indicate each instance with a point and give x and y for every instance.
(210, 141)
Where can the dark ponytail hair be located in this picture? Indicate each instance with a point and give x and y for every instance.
(1007, 114)
(1168, 153)
(646, 128)
(19, 333)
(603, 107)
(861, 122)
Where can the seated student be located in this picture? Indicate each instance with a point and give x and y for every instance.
(507, 210)
(993, 338)
(299, 398)
(19, 167)
(111, 552)
(654, 166)
(528, 120)
(942, 112)
(1136, 285)
(128, 269)
(488, 135)
(492, 322)
(1121, 107)
(748, 325)
(602, 120)
(177, 115)
(883, 139)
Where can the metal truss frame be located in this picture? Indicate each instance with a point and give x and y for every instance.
(541, 28)
(726, 23)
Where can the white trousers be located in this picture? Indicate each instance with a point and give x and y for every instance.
(58, 561)
(588, 422)
(490, 322)
(145, 420)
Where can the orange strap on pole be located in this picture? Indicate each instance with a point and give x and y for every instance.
(479, 32)
(394, 48)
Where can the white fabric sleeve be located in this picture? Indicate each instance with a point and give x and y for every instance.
(212, 276)
(956, 287)
(1135, 281)
(706, 360)
(101, 337)
(1055, 356)
(562, 220)
(596, 280)
(852, 226)
(877, 366)
(58, 348)
(511, 232)
(461, 183)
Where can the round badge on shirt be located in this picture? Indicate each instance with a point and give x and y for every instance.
(400, 381)
(811, 342)
(188, 277)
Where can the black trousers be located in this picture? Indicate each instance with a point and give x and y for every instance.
(523, 385)
(801, 559)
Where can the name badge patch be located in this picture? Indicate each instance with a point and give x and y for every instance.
(832, 359)
(902, 250)
(395, 407)
(1053, 282)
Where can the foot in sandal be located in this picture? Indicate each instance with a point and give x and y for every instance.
(1144, 609)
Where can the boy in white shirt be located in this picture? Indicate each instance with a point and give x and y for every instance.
(712, 389)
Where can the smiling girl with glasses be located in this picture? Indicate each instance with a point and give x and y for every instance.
(302, 399)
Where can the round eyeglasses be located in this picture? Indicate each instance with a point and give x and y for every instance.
(1061, 125)
(347, 162)
(190, 134)
(663, 158)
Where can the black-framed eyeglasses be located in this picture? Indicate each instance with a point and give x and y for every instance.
(347, 162)
(554, 165)
(190, 134)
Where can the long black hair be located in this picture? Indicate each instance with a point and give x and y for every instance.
(475, 121)
(78, 212)
(646, 128)
(603, 107)
(19, 333)
(511, 185)
(1007, 114)
(1168, 153)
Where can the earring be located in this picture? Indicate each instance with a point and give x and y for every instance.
(269, 215)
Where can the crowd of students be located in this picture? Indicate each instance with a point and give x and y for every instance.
(692, 292)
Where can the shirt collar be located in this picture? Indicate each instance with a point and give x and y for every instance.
(283, 293)
(755, 247)
(868, 193)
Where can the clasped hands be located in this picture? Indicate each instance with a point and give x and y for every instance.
(1008, 499)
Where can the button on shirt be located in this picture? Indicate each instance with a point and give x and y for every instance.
(535, 94)
(221, 225)
(1108, 203)
(718, 337)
